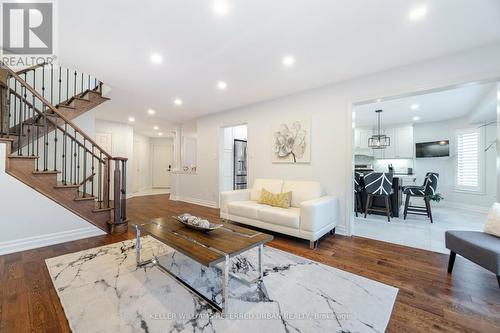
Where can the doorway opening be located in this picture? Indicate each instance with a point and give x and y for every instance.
(425, 164)
(233, 164)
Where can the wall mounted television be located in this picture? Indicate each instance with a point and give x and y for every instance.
(432, 149)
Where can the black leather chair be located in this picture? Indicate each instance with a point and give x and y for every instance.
(378, 184)
(425, 191)
(358, 188)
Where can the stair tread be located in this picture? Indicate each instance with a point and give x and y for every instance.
(65, 106)
(87, 196)
(23, 157)
(98, 210)
(48, 172)
(68, 185)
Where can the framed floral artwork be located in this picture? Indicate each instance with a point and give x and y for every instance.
(292, 142)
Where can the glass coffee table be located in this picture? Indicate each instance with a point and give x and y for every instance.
(206, 248)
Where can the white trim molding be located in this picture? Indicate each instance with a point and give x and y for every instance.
(29, 243)
(201, 202)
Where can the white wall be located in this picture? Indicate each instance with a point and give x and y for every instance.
(30, 220)
(122, 142)
(330, 111)
(445, 166)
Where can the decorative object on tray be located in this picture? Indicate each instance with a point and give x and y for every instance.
(292, 142)
(197, 223)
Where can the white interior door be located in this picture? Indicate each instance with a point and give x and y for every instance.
(162, 163)
(104, 141)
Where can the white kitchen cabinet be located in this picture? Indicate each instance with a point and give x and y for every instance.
(361, 137)
(404, 144)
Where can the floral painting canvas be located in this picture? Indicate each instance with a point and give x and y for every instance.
(292, 142)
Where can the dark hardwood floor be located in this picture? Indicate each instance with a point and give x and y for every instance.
(429, 300)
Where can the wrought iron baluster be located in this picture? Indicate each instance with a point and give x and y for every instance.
(60, 81)
(84, 177)
(55, 148)
(52, 84)
(67, 85)
(2, 112)
(45, 140)
(92, 171)
(65, 152)
(15, 102)
(43, 80)
(74, 85)
(8, 105)
(78, 163)
(99, 181)
(21, 124)
(71, 162)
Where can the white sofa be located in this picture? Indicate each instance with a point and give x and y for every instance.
(311, 215)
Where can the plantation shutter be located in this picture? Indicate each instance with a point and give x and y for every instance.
(468, 160)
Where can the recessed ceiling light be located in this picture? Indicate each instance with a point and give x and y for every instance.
(418, 13)
(221, 85)
(221, 8)
(414, 106)
(160, 134)
(416, 118)
(156, 128)
(156, 58)
(178, 101)
(379, 100)
(288, 61)
(151, 111)
(131, 119)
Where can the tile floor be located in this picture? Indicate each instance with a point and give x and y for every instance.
(417, 231)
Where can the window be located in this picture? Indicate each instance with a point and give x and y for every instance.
(469, 160)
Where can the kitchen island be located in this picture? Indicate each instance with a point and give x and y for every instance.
(396, 197)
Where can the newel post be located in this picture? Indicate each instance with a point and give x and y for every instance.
(119, 222)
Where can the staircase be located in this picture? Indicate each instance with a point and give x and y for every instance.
(50, 153)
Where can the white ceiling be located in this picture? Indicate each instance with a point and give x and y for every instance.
(436, 106)
(330, 40)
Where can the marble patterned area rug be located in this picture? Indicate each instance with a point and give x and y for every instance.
(101, 290)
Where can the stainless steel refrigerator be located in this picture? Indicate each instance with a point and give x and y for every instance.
(240, 165)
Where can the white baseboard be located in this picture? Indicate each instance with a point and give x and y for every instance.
(456, 205)
(340, 229)
(29, 243)
(201, 202)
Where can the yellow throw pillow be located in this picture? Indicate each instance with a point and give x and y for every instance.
(282, 200)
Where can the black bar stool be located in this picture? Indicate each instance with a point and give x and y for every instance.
(425, 191)
(358, 188)
(378, 184)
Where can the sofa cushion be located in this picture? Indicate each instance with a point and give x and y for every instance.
(272, 185)
(280, 216)
(282, 199)
(246, 209)
(302, 191)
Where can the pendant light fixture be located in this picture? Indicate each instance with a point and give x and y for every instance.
(379, 141)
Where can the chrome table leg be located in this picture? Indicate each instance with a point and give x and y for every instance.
(137, 245)
(225, 286)
(261, 271)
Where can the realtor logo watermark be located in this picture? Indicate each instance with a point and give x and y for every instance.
(28, 33)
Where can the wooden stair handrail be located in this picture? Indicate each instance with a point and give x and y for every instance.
(26, 70)
(54, 110)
